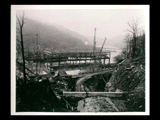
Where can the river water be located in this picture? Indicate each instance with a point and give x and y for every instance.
(77, 71)
(113, 54)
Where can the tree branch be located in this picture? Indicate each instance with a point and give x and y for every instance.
(23, 19)
(131, 26)
(130, 31)
(18, 40)
(17, 30)
(18, 20)
(20, 23)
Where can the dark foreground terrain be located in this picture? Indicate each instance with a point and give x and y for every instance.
(46, 96)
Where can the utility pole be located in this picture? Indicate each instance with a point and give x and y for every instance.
(37, 39)
(94, 48)
(37, 54)
(94, 43)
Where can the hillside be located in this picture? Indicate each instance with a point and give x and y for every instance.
(50, 36)
(130, 77)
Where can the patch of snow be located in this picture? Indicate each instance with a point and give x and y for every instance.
(72, 72)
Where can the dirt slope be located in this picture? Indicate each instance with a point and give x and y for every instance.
(130, 77)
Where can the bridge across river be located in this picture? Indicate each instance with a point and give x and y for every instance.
(76, 59)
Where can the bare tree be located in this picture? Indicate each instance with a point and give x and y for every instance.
(20, 22)
(127, 40)
(134, 31)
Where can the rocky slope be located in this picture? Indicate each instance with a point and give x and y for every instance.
(101, 104)
(130, 77)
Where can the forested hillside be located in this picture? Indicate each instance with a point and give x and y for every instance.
(49, 36)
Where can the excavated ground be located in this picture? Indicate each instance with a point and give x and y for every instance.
(101, 104)
(128, 76)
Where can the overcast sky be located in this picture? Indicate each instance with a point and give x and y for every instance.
(110, 21)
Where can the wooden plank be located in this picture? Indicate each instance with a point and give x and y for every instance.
(113, 105)
(92, 94)
(104, 79)
(67, 104)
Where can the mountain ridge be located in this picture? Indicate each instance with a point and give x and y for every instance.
(60, 38)
(50, 36)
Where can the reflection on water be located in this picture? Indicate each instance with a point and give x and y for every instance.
(113, 54)
(73, 72)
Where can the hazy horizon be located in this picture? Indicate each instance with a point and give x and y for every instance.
(109, 23)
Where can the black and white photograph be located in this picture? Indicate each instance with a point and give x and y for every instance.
(80, 60)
